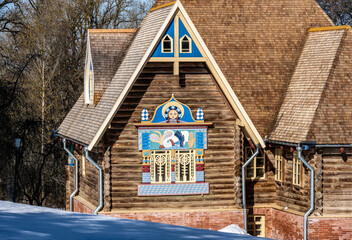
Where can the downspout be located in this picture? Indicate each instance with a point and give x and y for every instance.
(101, 203)
(312, 192)
(76, 173)
(244, 184)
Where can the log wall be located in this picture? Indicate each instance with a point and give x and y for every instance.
(337, 185)
(196, 88)
(262, 191)
(88, 185)
(289, 195)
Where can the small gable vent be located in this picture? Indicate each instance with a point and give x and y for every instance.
(186, 44)
(167, 44)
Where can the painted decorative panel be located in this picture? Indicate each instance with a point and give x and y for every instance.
(172, 138)
(172, 145)
(173, 189)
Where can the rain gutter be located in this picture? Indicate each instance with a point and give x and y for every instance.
(244, 184)
(306, 146)
(312, 192)
(76, 173)
(101, 203)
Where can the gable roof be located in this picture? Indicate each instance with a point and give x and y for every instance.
(135, 59)
(305, 92)
(256, 45)
(252, 53)
(84, 121)
(107, 47)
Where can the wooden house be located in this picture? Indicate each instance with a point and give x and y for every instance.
(214, 113)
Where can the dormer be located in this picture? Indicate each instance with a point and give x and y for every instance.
(88, 76)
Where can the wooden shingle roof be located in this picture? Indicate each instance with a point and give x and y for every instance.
(257, 47)
(304, 94)
(108, 47)
(332, 123)
(83, 122)
(256, 44)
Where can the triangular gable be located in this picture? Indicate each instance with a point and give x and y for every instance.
(174, 34)
(219, 77)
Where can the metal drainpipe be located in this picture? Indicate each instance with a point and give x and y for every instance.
(76, 173)
(244, 184)
(312, 192)
(101, 203)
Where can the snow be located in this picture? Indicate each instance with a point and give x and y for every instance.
(21, 221)
(233, 228)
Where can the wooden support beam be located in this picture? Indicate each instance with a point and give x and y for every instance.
(171, 59)
(176, 37)
(176, 68)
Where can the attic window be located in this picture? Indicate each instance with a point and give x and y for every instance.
(90, 84)
(88, 79)
(186, 44)
(167, 44)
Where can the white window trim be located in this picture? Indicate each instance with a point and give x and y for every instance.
(172, 44)
(248, 153)
(278, 165)
(252, 225)
(88, 83)
(296, 170)
(83, 164)
(190, 44)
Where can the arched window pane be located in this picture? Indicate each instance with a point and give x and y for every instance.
(167, 44)
(185, 45)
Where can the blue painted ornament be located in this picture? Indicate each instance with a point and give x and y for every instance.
(200, 115)
(145, 115)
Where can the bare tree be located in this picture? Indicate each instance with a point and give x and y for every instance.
(340, 11)
(42, 46)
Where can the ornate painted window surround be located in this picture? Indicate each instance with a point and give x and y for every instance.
(172, 145)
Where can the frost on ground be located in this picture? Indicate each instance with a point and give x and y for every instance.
(21, 221)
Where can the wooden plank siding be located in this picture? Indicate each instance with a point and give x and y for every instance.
(196, 88)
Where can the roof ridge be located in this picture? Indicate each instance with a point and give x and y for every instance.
(121, 30)
(162, 6)
(329, 28)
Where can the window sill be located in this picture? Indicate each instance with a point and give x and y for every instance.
(256, 179)
(173, 189)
